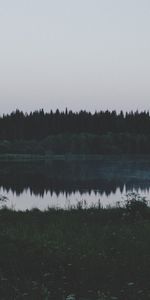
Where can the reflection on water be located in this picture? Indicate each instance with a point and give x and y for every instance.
(64, 183)
(28, 200)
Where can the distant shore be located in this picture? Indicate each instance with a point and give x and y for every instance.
(37, 157)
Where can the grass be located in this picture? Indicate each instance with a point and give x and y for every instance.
(93, 253)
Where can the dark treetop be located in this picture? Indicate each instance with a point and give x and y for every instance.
(75, 132)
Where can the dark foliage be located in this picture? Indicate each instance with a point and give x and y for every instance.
(93, 253)
(78, 133)
(135, 204)
(38, 124)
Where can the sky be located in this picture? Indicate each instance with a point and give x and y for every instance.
(80, 54)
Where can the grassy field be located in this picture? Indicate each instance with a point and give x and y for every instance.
(94, 254)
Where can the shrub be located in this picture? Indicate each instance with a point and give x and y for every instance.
(135, 204)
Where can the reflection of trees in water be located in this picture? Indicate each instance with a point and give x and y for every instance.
(65, 188)
(69, 177)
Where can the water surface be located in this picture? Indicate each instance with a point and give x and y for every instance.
(64, 183)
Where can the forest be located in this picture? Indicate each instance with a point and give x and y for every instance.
(60, 132)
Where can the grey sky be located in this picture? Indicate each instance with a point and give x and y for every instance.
(80, 54)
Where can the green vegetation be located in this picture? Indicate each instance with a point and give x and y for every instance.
(103, 132)
(94, 253)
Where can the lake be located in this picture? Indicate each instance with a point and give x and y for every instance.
(64, 183)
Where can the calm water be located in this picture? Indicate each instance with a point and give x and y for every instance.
(65, 183)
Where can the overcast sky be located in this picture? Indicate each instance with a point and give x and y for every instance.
(80, 54)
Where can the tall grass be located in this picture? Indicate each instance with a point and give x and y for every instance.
(87, 252)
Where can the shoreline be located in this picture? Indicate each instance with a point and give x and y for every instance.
(69, 157)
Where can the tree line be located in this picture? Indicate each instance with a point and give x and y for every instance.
(81, 132)
(39, 124)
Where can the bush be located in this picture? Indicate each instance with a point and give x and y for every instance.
(135, 204)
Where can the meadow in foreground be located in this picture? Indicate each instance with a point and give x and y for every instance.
(93, 253)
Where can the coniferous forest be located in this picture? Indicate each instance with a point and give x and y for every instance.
(102, 132)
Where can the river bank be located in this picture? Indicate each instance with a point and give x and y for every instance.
(89, 253)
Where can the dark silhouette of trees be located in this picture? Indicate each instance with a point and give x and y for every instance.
(75, 132)
(38, 124)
